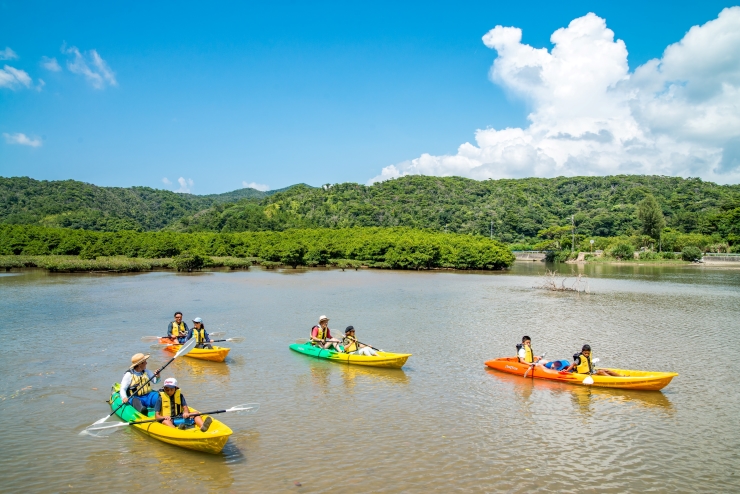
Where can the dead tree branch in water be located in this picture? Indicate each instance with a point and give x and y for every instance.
(550, 282)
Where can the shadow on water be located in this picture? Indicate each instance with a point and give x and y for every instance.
(584, 397)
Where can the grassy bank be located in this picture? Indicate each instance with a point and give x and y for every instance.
(117, 264)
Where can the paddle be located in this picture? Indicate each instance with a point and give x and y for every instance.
(239, 409)
(237, 339)
(303, 341)
(590, 380)
(189, 345)
(155, 339)
(531, 366)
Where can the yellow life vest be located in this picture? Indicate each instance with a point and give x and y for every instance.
(350, 344)
(167, 404)
(320, 332)
(137, 381)
(528, 354)
(178, 330)
(584, 366)
(199, 335)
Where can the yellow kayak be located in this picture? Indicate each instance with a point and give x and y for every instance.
(211, 441)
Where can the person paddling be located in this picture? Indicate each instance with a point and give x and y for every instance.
(354, 347)
(177, 329)
(526, 354)
(583, 364)
(172, 409)
(199, 333)
(138, 381)
(321, 335)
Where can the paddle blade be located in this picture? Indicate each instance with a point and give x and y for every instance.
(237, 339)
(217, 334)
(104, 427)
(185, 349)
(244, 409)
(150, 339)
(301, 341)
(595, 360)
(589, 380)
(159, 346)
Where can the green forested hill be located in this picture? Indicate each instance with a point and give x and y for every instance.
(518, 208)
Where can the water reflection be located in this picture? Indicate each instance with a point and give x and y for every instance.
(352, 374)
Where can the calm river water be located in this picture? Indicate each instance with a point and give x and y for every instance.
(442, 424)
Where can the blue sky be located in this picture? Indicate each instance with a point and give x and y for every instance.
(223, 94)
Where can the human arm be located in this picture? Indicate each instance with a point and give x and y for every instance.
(169, 329)
(125, 383)
(522, 356)
(185, 408)
(205, 334)
(153, 376)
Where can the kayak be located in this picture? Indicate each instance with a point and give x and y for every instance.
(215, 354)
(384, 359)
(628, 379)
(211, 441)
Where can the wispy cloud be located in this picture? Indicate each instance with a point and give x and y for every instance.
(185, 185)
(13, 78)
(256, 186)
(677, 115)
(22, 139)
(90, 65)
(8, 54)
(50, 64)
(166, 181)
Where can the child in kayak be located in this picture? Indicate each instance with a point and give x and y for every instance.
(526, 354)
(199, 332)
(321, 335)
(172, 410)
(583, 364)
(354, 347)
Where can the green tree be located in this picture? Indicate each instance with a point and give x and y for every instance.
(651, 217)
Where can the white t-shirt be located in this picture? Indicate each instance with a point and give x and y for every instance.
(522, 353)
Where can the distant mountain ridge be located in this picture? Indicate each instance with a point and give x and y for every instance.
(513, 210)
(74, 204)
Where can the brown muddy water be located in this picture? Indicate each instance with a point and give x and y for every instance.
(441, 424)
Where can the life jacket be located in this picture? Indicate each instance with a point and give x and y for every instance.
(528, 354)
(199, 335)
(584, 364)
(137, 382)
(171, 404)
(350, 344)
(320, 332)
(178, 331)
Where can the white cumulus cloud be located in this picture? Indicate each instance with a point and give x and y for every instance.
(166, 181)
(676, 115)
(50, 64)
(13, 78)
(256, 186)
(7, 54)
(185, 185)
(91, 66)
(22, 139)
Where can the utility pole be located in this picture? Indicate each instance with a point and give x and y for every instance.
(573, 224)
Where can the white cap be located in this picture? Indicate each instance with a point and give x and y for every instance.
(197, 319)
(170, 382)
(323, 318)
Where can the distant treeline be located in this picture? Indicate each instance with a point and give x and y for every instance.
(517, 210)
(399, 248)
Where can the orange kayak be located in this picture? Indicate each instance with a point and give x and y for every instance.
(215, 354)
(627, 379)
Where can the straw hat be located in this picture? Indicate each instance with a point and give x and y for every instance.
(323, 318)
(138, 358)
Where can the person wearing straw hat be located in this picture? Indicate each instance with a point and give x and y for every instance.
(321, 335)
(172, 410)
(138, 382)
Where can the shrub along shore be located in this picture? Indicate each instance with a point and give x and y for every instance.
(64, 250)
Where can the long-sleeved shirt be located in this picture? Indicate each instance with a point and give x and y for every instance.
(126, 381)
(205, 334)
